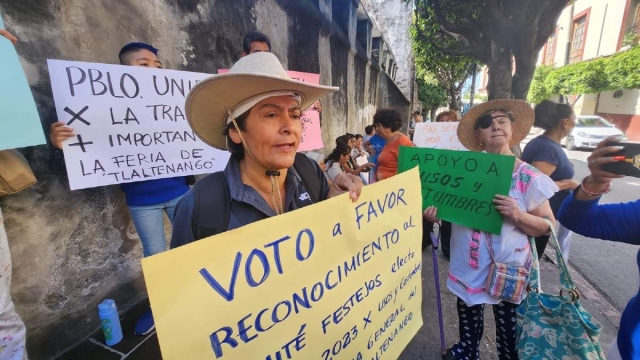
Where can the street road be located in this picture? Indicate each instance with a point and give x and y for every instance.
(610, 267)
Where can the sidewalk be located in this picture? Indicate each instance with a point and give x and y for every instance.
(425, 345)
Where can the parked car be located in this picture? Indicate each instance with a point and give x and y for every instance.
(589, 131)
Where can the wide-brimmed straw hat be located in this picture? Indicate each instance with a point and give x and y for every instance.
(253, 75)
(523, 117)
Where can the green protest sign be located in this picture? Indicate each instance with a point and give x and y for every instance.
(461, 184)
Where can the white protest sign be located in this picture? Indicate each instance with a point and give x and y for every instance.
(437, 135)
(130, 124)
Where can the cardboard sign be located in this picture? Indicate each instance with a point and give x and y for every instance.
(130, 124)
(437, 135)
(19, 119)
(461, 184)
(311, 134)
(335, 280)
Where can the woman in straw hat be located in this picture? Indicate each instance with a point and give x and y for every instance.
(254, 112)
(495, 127)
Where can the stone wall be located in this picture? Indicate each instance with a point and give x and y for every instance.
(393, 18)
(72, 249)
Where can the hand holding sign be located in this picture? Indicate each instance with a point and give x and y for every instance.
(123, 124)
(462, 185)
(335, 280)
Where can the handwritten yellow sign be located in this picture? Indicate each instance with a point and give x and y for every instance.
(336, 280)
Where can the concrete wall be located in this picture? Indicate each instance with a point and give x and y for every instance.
(72, 249)
(623, 111)
(393, 18)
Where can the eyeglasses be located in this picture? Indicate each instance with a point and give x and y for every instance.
(486, 121)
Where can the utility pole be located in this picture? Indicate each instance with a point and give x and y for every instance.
(473, 85)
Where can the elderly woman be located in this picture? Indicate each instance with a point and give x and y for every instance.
(581, 213)
(254, 112)
(494, 127)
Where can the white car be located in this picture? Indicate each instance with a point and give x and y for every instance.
(589, 131)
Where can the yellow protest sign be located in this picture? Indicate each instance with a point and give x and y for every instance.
(336, 280)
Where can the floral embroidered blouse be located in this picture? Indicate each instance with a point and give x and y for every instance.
(470, 259)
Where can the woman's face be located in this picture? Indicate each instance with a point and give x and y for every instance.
(344, 158)
(498, 132)
(273, 131)
(568, 124)
(359, 143)
(383, 131)
(447, 118)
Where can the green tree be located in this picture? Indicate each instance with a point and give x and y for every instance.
(430, 94)
(497, 33)
(539, 90)
(449, 71)
(618, 71)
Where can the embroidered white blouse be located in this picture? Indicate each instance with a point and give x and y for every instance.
(469, 269)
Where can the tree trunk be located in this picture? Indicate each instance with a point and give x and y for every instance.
(525, 68)
(500, 71)
(433, 113)
(454, 98)
(501, 80)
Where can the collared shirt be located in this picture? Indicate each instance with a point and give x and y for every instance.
(247, 205)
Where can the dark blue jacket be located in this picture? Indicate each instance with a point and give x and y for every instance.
(247, 205)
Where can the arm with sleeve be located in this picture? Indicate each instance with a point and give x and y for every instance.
(182, 221)
(616, 222)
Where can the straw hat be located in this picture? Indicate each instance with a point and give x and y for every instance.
(523, 117)
(253, 75)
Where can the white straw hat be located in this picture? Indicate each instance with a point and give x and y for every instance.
(523, 117)
(255, 74)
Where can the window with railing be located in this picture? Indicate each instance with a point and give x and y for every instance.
(579, 37)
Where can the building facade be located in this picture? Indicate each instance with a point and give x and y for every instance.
(590, 29)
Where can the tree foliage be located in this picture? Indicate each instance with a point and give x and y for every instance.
(450, 72)
(619, 71)
(497, 33)
(538, 90)
(430, 94)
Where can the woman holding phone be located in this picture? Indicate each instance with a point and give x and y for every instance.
(582, 213)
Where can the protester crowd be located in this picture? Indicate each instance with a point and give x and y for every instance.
(266, 176)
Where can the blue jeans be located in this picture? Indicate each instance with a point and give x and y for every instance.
(150, 226)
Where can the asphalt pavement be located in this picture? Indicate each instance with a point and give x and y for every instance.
(609, 266)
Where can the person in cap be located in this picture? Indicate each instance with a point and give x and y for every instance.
(495, 127)
(147, 200)
(254, 112)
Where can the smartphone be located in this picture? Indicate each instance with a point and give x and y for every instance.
(631, 165)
